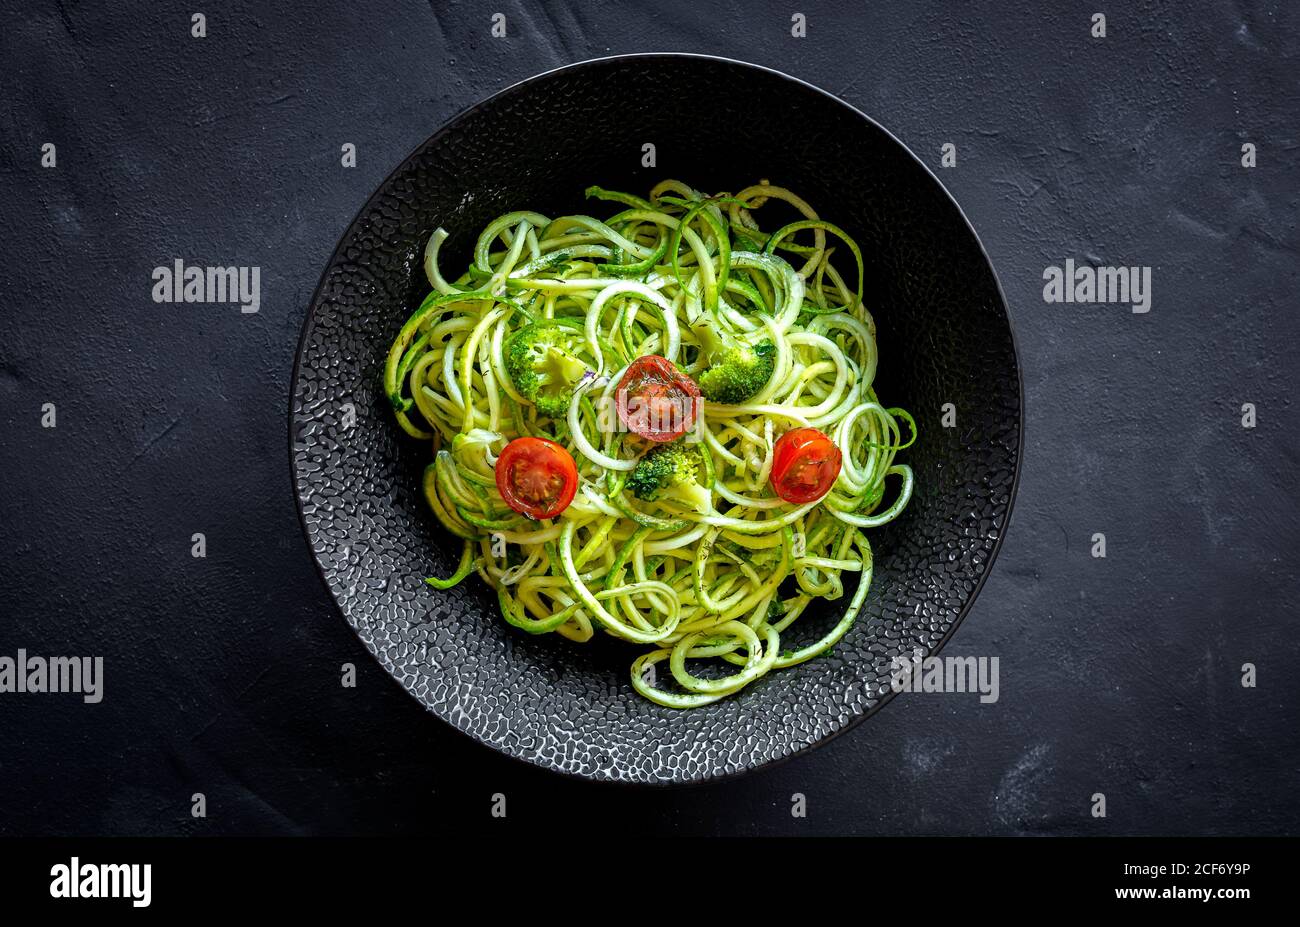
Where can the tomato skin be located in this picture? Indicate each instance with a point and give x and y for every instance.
(805, 464)
(656, 400)
(536, 477)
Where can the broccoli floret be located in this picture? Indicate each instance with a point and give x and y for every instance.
(736, 371)
(542, 366)
(668, 472)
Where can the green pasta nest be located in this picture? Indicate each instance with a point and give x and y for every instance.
(681, 548)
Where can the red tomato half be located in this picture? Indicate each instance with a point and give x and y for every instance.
(805, 464)
(536, 477)
(656, 400)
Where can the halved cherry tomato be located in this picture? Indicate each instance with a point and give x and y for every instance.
(656, 400)
(536, 477)
(805, 464)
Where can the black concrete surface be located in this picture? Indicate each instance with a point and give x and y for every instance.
(1120, 676)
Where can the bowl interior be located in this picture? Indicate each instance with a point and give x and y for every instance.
(943, 335)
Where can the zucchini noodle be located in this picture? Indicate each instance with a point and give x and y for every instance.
(712, 589)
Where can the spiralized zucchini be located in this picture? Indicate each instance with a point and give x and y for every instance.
(701, 587)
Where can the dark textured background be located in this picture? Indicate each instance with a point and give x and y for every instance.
(1119, 676)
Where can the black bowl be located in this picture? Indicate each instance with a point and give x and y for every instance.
(944, 338)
